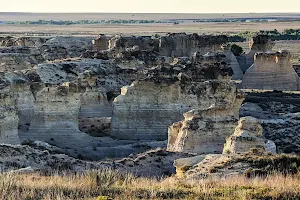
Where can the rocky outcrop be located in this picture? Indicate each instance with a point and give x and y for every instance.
(184, 45)
(18, 61)
(247, 135)
(271, 71)
(259, 43)
(8, 118)
(21, 41)
(101, 42)
(55, 114)
(145, 109)
(140, 43)
(204, 130)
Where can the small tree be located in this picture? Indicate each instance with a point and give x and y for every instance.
(236, 50)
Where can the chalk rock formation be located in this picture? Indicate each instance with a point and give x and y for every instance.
(144, 110)
(101, 42)
(204, 130)
(8, 118)
(184, 45)
(247, 135)
(271, 71)
(55, 114)
(141, 43)
(259, 43)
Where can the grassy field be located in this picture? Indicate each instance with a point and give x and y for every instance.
(145, 29)
(137, 16)
(109, 184)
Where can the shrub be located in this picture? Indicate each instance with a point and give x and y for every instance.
(236, 50)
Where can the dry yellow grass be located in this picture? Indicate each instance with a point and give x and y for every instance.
(112, 184)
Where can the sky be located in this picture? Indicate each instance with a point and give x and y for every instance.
(151, 6)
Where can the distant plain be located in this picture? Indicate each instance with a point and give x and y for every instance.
(287, 21)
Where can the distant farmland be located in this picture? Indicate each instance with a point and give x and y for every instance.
(140, 16)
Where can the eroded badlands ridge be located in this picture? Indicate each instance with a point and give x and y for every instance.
(128, 91)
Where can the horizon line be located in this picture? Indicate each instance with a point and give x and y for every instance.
(149, 12)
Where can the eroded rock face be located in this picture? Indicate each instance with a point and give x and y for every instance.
(259, 43)
(204, 130)
(8, 119)
(21, 41)
(139, 43)
(183, 45)
(25, 105)
(18, 61)
(101, 42)
(247, 135)
(271, 71)
(55, 114)
(145, 109)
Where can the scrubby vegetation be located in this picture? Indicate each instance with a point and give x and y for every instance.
(287, 34)
(236, 50)
(69, 22)
(110, 184)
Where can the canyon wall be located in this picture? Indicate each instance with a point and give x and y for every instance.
(8, 118)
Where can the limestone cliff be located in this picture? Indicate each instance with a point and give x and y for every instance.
(144, 110)
(204, 129)
(271, 71)
(184, 45)
(55, 112)
(8, 118)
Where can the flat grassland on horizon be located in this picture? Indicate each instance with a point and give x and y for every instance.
(15, 16)
(144, 29)
(188, 25)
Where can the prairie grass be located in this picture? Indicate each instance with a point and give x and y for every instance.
(112, 184)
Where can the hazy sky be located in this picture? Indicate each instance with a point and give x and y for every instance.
(139, 6)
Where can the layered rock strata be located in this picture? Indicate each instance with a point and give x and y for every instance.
(55, 114)
(204, 130)
(145, 109)
(184, 45)
(271, 71)
(247, 135)
(8, 118)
